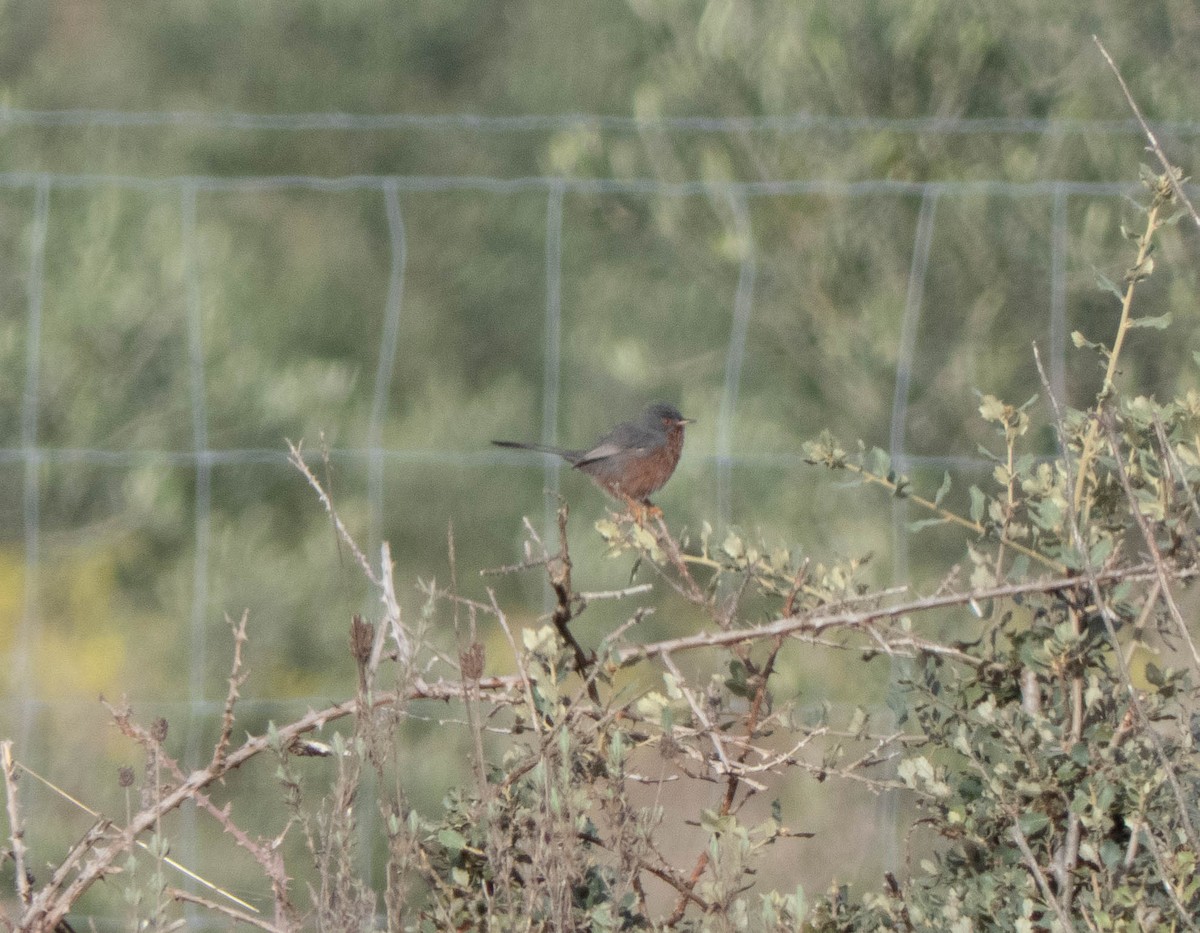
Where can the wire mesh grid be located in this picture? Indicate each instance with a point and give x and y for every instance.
(199, 195)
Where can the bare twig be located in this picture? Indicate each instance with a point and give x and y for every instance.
(16, 830)
(393, 624)
(266, 854)
(519, 658)
(558, 572)
(52, 902)
(237, 677)
(691, 589)
(1157, 149)
(1038, 876)
(625, 593)
(665, 875)
(820, 622)
(296, 459)
(698, 711)
(240, 916)
(182, 869)
(619, 632)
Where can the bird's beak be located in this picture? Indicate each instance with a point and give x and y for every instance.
(686, 421)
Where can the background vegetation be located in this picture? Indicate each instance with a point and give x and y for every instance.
(112, 588)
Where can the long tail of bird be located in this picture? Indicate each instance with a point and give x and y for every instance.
(540, 448)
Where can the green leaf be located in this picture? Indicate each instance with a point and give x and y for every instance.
(1101, 550)
(922, 523)
(452, 841)
(616, 751)
(1106, 284)
(988, 455)
(942, 489)
(736, 682)
(1032, 822)
(715, 822)
(1161, 322)
(1046, 514)
(1019, 569)
(878, 462)
(1081, 341)
(978, 503)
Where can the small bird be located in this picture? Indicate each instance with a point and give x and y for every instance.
(632, 460)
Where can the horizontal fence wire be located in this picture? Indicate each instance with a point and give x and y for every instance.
(538, 123)
(571, 185)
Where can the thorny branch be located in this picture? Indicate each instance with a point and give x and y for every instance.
(89, 861)
(1171, 173)
(819, 622)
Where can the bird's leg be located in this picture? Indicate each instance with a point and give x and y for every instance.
(642, 510)
(637, 511)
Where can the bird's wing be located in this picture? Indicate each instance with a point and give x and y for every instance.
(601, 451)
(626, 438)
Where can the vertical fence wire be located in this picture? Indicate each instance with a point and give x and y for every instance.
(31, 453)
(1058, 295)
(888, 804)
(198, 622)
(735, 354)
(388, 343)
(199, 409)
(552, 364)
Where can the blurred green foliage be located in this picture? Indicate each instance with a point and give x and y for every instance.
(293, 283)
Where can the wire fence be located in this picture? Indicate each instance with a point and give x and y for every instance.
(524, 123)
(203, 456)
